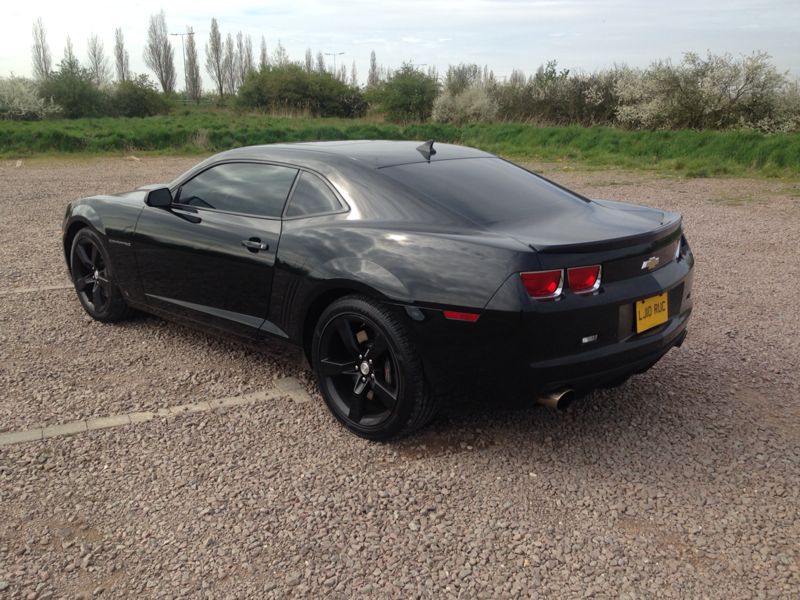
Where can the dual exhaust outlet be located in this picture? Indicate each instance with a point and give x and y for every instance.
(558, 399)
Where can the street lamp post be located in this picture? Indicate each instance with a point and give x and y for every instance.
(334, 55)
(183, 54)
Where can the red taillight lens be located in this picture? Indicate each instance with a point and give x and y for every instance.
(543, 284)
(455, 315)
(583, 280)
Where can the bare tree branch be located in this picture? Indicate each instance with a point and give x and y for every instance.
(159, 55)
(42, 61)
(263, 57)
(214, 58)
(194, 83)
(98, 63)
(121, 57)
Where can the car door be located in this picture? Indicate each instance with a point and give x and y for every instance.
(210, 256)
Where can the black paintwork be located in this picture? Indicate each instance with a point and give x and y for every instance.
(393, 242)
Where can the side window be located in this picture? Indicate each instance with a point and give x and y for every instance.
(250, 188)
(311, 197)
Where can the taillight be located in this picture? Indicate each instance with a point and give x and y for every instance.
(583, 280)
(543, 285)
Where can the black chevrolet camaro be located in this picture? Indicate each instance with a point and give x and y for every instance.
(398, 268)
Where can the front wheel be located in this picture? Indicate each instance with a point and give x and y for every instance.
(92, 276)
(368, 370)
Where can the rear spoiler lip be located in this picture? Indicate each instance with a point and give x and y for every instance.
(665, 232)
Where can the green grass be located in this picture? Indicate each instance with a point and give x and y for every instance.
(690, 153)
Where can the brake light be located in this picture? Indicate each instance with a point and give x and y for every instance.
(583, 280)
(543, 285)
(455, 315)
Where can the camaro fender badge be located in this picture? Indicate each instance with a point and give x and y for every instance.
(651, 263)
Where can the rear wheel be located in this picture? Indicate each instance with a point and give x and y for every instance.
(368, 371)
(92, 276)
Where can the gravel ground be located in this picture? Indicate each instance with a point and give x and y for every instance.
(683, 483)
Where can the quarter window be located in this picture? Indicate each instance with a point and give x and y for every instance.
(311, 197)
(250, 188)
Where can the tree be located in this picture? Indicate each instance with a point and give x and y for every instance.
(320, 62)
(408, 95)
(342, 74)
(244, 57)
(194, 84)
(249, 56)
(98, 63)
(214, 58)
(374, 75)
(159, 55)
(280, 56)
(263, 57)
(138, 97)
(72, 88)
(69, 63)
(42, 61)
(291, 88)
(309, 64)
(229, 66)
(353, 75)
(121, 57)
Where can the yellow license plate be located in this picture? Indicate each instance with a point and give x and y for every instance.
(651, 312)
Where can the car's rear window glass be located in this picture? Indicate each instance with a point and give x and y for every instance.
(250, 188)
(484, 190)
(311, 197)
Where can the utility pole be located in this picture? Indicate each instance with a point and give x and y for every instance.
(334, 55)
(183, 54)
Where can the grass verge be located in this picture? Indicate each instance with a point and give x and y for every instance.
(690, 153)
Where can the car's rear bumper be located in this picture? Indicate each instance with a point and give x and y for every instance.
(541, 348)
(609, 364)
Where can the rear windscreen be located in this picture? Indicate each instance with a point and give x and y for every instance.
(484, 190)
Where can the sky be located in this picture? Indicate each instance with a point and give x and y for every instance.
(582, 35)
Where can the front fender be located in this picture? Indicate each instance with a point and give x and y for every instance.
(83, 212)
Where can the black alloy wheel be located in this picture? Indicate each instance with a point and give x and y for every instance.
(93, 280)
(368, 372)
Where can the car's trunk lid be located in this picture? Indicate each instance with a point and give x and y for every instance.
(596, 226)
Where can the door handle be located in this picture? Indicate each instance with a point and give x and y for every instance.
(255, 244)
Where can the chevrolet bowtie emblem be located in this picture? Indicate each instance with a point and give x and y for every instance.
(651, 263)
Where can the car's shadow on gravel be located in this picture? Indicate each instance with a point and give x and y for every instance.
(641, 422)
(646, 415)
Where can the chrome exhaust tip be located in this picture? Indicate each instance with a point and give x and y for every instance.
(558, 399)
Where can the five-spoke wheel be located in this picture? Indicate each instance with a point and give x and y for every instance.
(368, 372)
(92, 277)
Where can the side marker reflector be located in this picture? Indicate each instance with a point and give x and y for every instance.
(455, 315)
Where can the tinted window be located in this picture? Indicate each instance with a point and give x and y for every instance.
(484, 190)
(248, 188)
(311, 197)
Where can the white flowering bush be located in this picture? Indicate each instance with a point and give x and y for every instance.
(714, 92)
(473, 104)
(20, 100)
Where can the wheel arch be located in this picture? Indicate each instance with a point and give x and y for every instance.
(69, 235)
(325, 298)
(80, 214)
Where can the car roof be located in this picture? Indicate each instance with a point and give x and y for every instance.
(368, 153)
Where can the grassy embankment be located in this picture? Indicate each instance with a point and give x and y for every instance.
(691, 153)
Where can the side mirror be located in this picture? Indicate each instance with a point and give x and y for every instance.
(159, 198)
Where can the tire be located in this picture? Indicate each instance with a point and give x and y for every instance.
(368, 371)
(93, 278)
